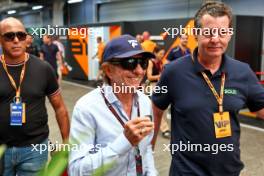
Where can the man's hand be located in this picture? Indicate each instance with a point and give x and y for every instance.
(136, 129)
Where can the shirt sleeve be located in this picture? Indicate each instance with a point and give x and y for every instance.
(56, 48)
(36, 51)
(52, 83)
(41, 49)
(89, 156)
(188, 51)
(161, 98)
(170, 55)
(255, 99)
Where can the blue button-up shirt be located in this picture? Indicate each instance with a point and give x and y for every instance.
(99, 138)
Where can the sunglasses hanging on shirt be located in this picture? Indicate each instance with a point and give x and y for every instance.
(131, 63)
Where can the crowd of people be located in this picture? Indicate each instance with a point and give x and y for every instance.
(116, 132)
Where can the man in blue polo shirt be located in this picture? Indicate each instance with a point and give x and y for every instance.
(180, 50)
(50, 53)
(206, 91)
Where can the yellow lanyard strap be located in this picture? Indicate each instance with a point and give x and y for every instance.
(220, 98)
(13, 83)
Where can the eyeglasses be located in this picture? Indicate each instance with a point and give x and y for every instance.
(131, 63)
(10, 36)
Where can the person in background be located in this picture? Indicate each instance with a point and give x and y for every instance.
(100, 49)
(139, 38)
(154, 71)
(51, 54)
(58, 43)
(99, 56)
(180, 50)
(147, 44)
(31, 47)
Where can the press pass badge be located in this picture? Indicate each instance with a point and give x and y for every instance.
(16, 114)
(24, 113)
(222, 125)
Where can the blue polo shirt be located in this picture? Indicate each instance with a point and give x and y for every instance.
(192, 108)
(176, 53)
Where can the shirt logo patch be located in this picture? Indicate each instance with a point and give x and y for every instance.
(133, 43)
(230, 91)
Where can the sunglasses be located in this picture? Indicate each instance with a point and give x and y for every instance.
(131, 63)
(10, 36)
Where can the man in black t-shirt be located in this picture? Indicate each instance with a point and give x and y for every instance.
(50, 53)
(25, 83)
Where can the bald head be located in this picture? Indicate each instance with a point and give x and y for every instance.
(10, 23)
(12, 39)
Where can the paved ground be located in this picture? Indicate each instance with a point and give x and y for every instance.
(252, 140)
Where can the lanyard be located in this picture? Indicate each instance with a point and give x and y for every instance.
(138, 158)
(114, 111)
(220, 98)
(13, 83)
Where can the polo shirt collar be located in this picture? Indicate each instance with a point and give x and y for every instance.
(199, 68)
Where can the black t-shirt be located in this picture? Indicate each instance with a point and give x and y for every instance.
(33, 49)
(39, 82)
(50, 52)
